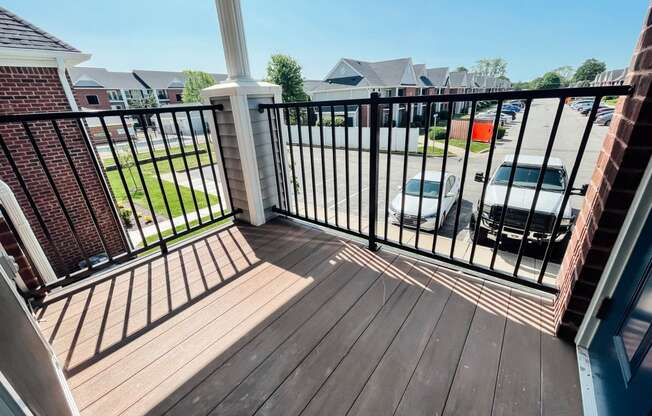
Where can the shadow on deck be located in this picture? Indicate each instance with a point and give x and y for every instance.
(286, 320)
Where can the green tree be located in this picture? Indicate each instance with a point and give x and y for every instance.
(588, 70)
(495, 67)
(566, 73)
(521, 85)
(148, 101)
(547, 81)
(195, 82)
(285, 71)
(461, 68)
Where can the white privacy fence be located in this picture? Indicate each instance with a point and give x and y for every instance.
(398, 137)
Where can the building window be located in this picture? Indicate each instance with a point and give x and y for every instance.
(162, 94)
(114, 95)
(179, 97)
(92, 100)
(401, 92)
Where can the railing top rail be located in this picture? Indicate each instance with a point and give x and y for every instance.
(64, 115)
(444, 98)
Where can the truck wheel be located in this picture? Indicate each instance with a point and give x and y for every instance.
(482, 232)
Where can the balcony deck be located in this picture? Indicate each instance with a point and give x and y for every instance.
(286, 320)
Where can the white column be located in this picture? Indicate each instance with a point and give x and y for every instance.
(233, 39)
(248, 154)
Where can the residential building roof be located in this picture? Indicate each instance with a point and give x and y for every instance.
(458, 79)
(167, 79)
(377, 74)
(18, 33)
(88, 77)
(438, 76)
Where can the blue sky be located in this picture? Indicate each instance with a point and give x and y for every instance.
(532, 36)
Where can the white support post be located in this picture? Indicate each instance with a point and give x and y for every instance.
(246, 155)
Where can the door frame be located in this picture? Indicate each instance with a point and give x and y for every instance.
(627, 238)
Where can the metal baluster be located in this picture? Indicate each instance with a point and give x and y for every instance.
(359, 168)
(389, 159)
(464, 166)
(487, 171)
(200, 166)
(282, 151)
(346, 168)
(405, 164)
(271, 134)
(535, 198)
(510, 182)
(212, 162)
(312, 164)
(168, 155)
(442, 175)
(142, 179)
(323, 163)
(334, 143)
(185, 165)
(294, 176)
(569, 186)
(303, 170)
(423, 173)
(373, 170)
(123, 180)
(82, 189)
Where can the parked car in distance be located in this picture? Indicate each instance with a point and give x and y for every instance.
(581, 103)
(491, 115)
(604, 119)
(605, 110)
(513, 108)
(431, 186)
(586, 110)
(520, 201)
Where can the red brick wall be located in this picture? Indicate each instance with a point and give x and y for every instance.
(26, 90)
(624, 156)
(82, 101)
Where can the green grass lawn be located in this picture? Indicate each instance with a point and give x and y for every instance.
(167, 233)
(432, 150)
(611, 102)
(136, 190)
(476, 147)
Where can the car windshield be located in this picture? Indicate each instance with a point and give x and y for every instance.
(430, 188)
(527, 176)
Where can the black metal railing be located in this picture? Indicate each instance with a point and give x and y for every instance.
(353, 134)
(157, 170)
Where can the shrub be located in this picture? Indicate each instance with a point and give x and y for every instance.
(125, 215)
(437, 133)
(501, 132)
(339, 121)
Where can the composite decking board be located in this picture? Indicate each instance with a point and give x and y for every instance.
(179, 322)
(428, 387)
(237, 241)
(251, 348)
(120, 284)
(518, 387)
(306, 380)
(383, 391)
(197, 335)
(155, 300)
(558, 363)
(473, 387)
(247, 395)
(347, 381)
(263, 314)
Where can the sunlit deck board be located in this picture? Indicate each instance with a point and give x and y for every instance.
(287, 320)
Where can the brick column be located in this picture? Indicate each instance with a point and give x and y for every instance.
(624, 156)
(29, 90)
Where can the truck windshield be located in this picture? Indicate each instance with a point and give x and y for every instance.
(527, 176)
(430, 188)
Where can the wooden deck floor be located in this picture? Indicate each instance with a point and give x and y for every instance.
(288, 320)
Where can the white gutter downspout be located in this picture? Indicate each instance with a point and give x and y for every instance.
(31, 245)
(61, 69)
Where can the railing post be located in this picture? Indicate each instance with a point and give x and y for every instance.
(373, 169)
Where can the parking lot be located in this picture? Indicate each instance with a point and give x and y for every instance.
(350, 164)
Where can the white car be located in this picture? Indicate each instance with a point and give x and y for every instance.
(431, 187)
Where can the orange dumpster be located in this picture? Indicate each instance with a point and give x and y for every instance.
(482, 131)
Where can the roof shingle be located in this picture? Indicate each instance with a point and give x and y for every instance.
(20, 34)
